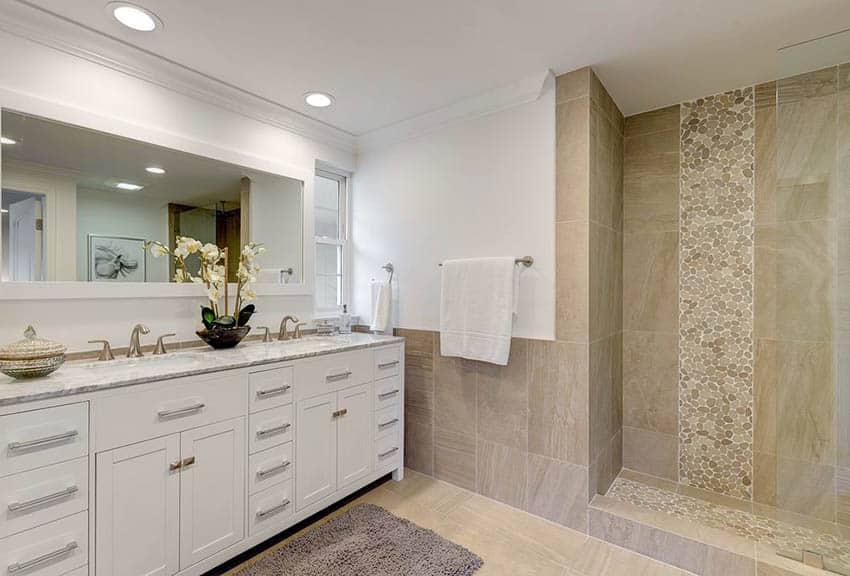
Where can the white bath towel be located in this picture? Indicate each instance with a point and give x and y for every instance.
(477, 304)
(382, 302)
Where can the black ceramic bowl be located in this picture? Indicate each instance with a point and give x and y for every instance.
(221, 338)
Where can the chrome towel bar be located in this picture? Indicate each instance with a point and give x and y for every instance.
(525, 261)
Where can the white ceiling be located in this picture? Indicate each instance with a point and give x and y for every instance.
(387, 61)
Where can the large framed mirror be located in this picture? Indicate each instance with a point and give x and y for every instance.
(79, 205)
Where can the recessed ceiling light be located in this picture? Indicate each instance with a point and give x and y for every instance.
(134, 17)
(128, 186)
(155, 170)
(5, 140)
(318, 99)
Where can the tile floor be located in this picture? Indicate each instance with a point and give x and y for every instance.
(510, 541)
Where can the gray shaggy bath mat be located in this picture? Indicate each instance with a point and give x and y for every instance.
(367, 541)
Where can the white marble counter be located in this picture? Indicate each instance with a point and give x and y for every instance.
(88, 376)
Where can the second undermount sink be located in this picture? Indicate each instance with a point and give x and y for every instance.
(164, 361)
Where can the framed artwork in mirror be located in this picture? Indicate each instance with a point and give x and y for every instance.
(116, 259)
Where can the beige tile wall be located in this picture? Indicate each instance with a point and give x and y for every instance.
(650, 292)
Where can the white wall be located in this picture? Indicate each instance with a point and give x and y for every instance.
(55, 84)
(481, 187)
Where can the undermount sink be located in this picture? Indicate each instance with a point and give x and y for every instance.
(169, 361)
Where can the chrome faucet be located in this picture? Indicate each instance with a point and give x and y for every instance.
(282, 334)
(135, 349)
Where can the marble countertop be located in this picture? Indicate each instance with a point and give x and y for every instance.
(88, 376)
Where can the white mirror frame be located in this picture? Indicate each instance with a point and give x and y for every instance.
(75, 290)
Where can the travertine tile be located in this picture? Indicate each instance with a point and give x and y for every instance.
(599, 94)
(503, 399)
(844, 142)
(558, 491)
(651, 176)
(806, 488)
(455, 458)
(606, 170)
(765, 379)
(502, 473)
(418, 369)
(651, 282)
(571, 281)
(764, 478)
(605, 392)
(606, 282)
(650, 381)
(815, 84)
(650, 452)
(657, 120)
(572, 181)
(572, 85)
(765, 153)
(418, 440)
(606, 466)
(455, 390)
(558, 401)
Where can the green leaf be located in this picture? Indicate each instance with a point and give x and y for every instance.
(245, 315)
(207, 316)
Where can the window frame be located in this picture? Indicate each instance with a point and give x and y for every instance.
(343, 243)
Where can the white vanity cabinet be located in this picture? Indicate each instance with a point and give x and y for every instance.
(174, 477)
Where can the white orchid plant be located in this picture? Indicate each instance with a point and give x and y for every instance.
(212, 274)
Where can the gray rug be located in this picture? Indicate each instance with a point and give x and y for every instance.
(367, 540)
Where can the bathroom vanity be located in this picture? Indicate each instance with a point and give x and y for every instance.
(174, 464)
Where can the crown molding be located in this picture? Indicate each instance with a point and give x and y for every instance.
(32, 23)
(514, 94)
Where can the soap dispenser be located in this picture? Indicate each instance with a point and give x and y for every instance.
(345, 321)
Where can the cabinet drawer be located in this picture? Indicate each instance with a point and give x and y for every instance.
(270, 508)
(270, 428)
(269, 467)
(388, 452)
(270, 388)
(387, 361)
(178, 405)
(42, 437)
(388, 421)
(36, 497)
(387, 392)
(49, 550)
(332, 372)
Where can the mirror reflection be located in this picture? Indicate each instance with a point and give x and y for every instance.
(79, 205)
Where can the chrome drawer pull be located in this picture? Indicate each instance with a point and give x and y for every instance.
(273, 470)
(273, 509)
(387, 423)
(340, 376)
(388, 394)
(386, 365)
(181, 411)
(272, 391)
(19, 506)
(274, 430)
(25, 444)
(388, 452)
(29, 564)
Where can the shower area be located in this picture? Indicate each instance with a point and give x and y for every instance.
(736, 337)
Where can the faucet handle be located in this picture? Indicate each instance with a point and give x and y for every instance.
(106, 351)
(160, 345)
(267, 335)
(297, 335)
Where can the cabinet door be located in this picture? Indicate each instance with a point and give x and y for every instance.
(354, 433)
(315, 456)
(212, 489)
(137, 517)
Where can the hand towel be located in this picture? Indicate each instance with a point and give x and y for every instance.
(382, 300)
(478, 299)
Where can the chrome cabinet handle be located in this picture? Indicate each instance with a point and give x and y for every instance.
(386, 365)
(388, 394)
(388, 452)
(273, 430)
(272, 391)
(273, 470)
(20, 506)
(337, 377)
(181, 411)
(387, 423)
(25, 444)
(29, 564)
(273, 509)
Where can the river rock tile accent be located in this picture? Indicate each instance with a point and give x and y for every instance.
(784, 536)
(716, 207)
